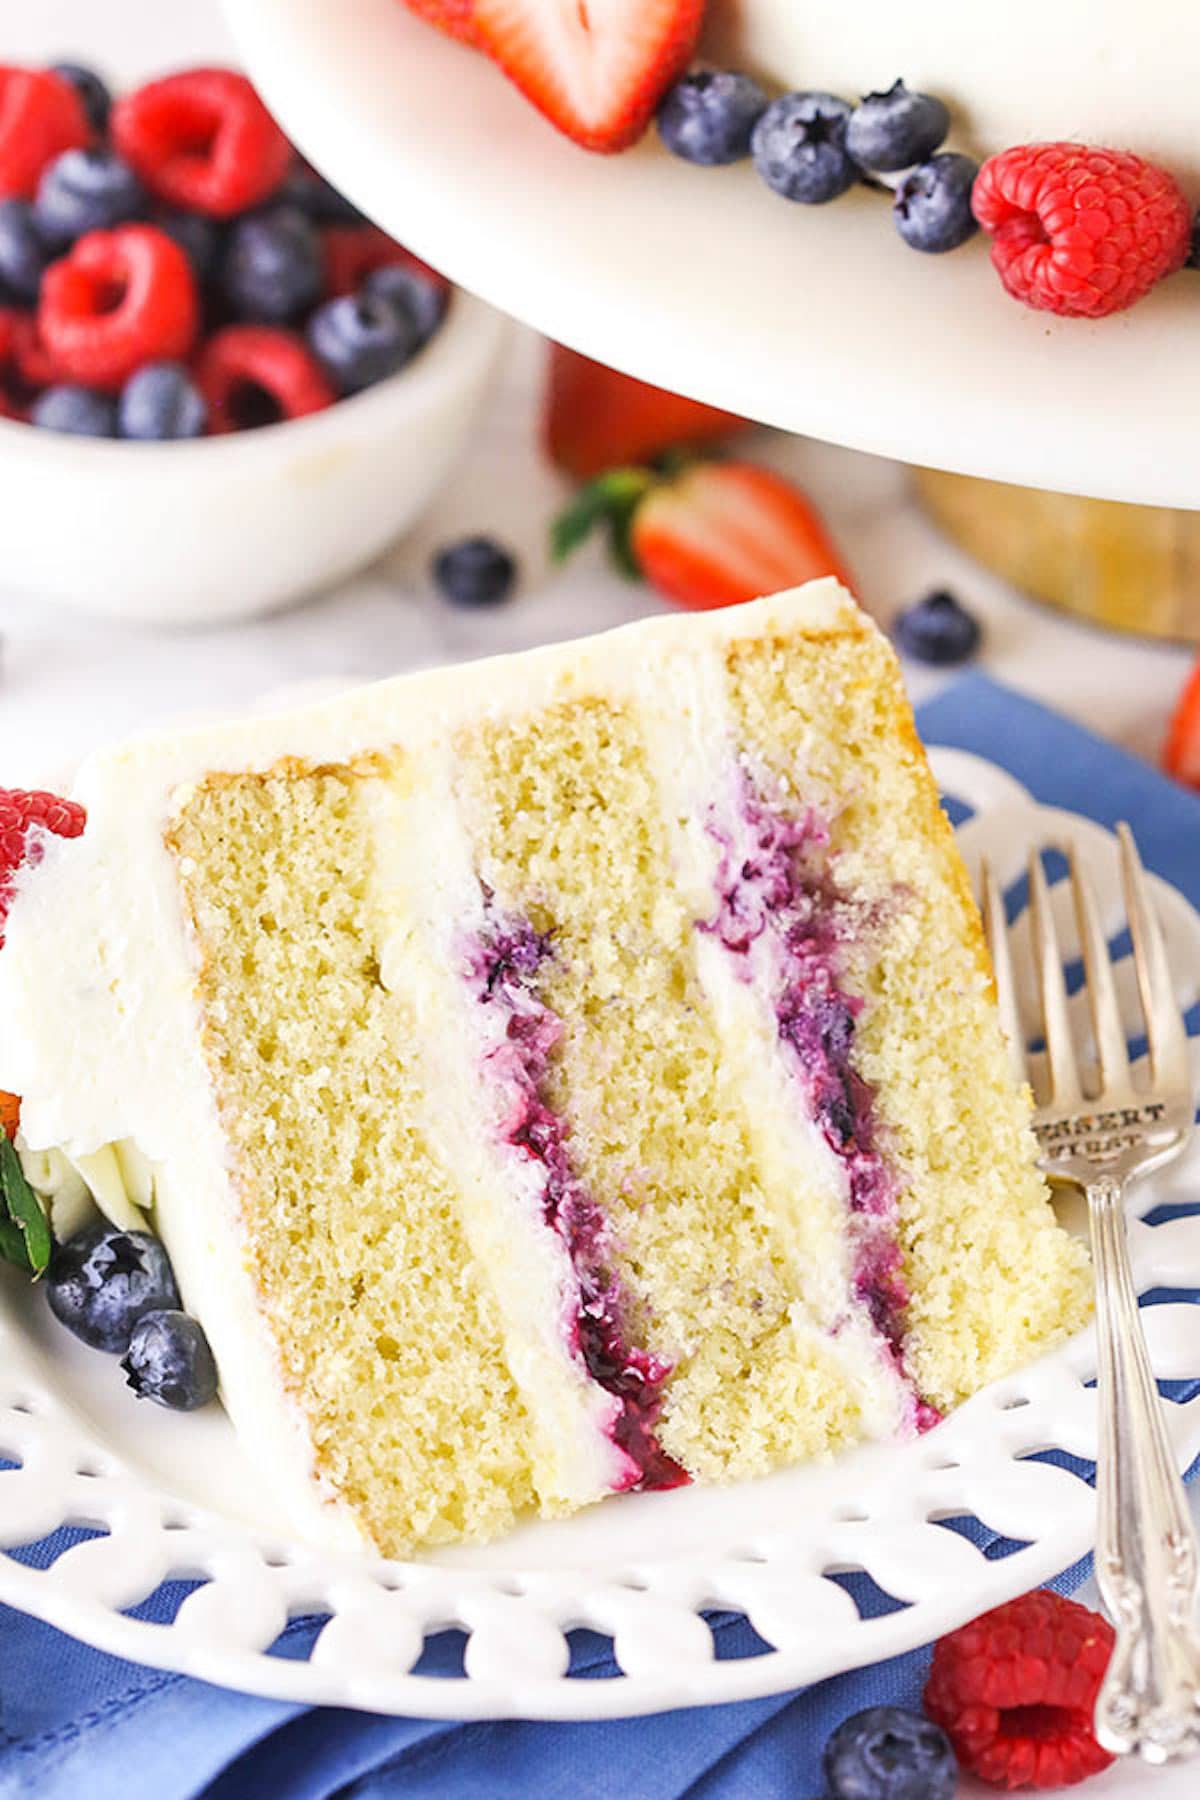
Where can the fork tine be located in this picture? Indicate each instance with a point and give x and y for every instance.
(1060, 1047)
(1101, 988)
(995, 927)
(1164, 1022)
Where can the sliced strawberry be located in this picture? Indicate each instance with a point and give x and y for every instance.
(715, 535)
(596, 68)
(595, 419)
(456, 18)
(1181, 755)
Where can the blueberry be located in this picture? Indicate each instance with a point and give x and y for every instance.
(199, 238)
(708, 117)
(1193, 261)
(23, 256)
(897, 129)
(85, 190)
(271, 270)
(888, 1753)
(359, 339)
(169, 1361)
(102, 1281)
(318, 198)
(932, 208)
(476, 571)
(159, 402)
(97, 101)
(799, 148)
(418, 295)
(938, 630)
(79, 411)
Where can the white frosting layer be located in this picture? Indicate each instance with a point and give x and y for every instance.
(99, 1027)
(1096, 71)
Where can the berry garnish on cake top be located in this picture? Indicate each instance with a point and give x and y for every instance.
(1078, 230)
(127, 235)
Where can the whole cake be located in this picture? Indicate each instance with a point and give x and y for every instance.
(1095, 71)
(566, 1074)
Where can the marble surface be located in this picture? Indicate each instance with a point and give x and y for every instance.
(69, 681)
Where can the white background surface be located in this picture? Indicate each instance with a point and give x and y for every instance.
(68, 682)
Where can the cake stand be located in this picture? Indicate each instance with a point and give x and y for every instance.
(816, 319)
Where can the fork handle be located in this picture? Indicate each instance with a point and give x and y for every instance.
(1147, 1562)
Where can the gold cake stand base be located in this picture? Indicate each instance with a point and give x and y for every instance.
(1131, 568)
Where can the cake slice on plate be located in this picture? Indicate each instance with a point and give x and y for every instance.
(565, 1074)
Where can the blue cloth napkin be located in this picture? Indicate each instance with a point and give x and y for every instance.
(74, 1722)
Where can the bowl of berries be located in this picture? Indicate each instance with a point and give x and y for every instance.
(221, 389)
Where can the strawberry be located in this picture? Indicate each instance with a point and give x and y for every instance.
(1181, 755)
(10, 1114)
(596, 71)
(454, 17)
(712, 535)
(593, 418)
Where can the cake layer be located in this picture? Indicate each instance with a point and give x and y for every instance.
(567, 1074)
(1096, 71)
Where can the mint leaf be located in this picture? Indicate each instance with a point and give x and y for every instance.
(24, 1233)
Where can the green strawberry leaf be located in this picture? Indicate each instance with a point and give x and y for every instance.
(609, 504)
(24, 1233)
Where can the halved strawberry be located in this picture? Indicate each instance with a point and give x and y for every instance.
(593, 418)
(714, 535)
(596, 68)
(456, 18)
(1181, 754)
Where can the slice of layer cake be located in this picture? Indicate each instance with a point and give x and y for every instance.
(566, 1074)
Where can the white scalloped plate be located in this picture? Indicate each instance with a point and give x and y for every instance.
(815, 319)
(175, 1497)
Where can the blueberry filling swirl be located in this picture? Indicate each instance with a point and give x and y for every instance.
(783, 915)
(502, 965)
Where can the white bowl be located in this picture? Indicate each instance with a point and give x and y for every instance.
(223, 527)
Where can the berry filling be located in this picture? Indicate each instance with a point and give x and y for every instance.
(782, 913)
(502, 965)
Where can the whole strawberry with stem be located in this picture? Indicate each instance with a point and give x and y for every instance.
(1015, 1692)
(704, 534)
(595, 418)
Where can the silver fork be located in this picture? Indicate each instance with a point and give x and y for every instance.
(1099, 1135)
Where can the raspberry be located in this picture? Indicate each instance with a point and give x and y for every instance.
(202, 140)
(24, 818)
(1016, 1689)
(254, 375)
(41, 115)
(30, 361)
(1080, 231)
(352, 252)
(120, 299)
